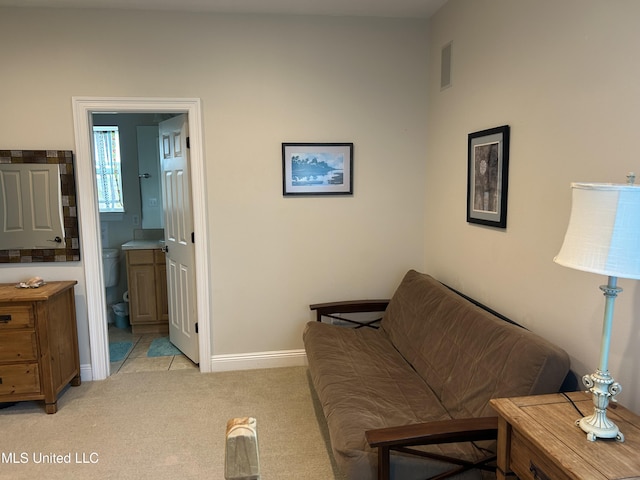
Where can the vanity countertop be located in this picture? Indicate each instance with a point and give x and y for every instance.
(143, 245)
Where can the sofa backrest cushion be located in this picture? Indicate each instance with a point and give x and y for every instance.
(466, 354)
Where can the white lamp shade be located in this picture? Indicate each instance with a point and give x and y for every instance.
(603, 235)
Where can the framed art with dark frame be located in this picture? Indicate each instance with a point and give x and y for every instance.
(317, 169)
(488, 177)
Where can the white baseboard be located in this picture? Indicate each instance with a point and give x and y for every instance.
(251, 361)
(238, 361)
(86, 373)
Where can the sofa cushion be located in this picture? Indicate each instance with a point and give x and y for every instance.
(465, 354)
(363, 383)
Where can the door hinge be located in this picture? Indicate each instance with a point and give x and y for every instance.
(196, 327)
(193, 237)
(188, 143)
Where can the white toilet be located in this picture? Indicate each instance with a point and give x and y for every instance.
(110, 260)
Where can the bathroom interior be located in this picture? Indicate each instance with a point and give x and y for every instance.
(138, 229)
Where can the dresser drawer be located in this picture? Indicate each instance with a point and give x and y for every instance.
(19, 379)
(18, 346)
(530, 464)
(16, 316)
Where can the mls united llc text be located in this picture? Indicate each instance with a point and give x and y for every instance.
(53, 458)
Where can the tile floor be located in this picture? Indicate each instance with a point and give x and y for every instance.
(137, 360)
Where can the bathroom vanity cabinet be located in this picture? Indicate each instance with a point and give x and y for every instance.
(38, 342)
(147, 278)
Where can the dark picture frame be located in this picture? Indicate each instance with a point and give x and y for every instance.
(488, 176)
(317, 169)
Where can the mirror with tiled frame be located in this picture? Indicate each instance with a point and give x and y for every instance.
(69, 248)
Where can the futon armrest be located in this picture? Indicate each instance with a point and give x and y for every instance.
(444, 431)
(350, 306)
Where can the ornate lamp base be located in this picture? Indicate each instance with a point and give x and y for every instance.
(602, 387)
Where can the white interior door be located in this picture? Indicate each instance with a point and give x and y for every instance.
(178, 228)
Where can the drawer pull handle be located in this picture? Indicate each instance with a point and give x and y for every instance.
(537, 473)
(5, 318)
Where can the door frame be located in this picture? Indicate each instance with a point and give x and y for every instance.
(90, 244)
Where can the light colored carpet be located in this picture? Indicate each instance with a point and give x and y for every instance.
(168, 425)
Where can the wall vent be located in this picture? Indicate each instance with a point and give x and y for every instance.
(445, 66)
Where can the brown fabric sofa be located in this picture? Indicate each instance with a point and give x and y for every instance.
(436, 357)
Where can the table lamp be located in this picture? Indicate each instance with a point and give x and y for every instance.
(603, 237)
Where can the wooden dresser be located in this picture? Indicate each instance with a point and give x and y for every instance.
(538, 439)
(38, 342)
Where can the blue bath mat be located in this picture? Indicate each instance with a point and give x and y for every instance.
(119, 350)
(162, 347)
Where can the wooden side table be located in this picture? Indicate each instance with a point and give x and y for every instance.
(538, 439)
(38, 343)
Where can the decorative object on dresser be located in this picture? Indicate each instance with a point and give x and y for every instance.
(603, 237)
(38, 342)
(538, 441)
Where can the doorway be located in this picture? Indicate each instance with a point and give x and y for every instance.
(83, 110)
(156, 288)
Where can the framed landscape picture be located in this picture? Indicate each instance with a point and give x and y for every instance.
(488, 177)
(317, 168)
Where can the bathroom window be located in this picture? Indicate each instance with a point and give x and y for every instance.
(108, 168)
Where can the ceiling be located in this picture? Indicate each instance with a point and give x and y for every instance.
(360, 8)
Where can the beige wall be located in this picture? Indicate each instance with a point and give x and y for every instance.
(262, 81)
(564, 75)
